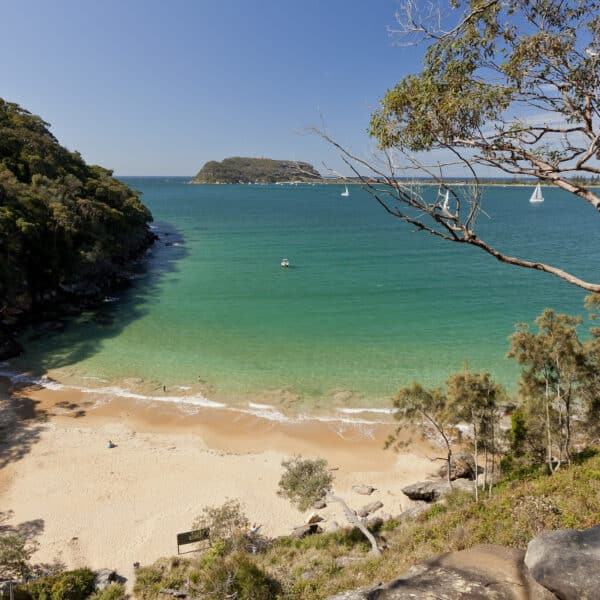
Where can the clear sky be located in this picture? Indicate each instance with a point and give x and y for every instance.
(158, 88)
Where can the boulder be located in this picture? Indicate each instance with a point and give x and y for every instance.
(365, 490)
(480, 573)
(332, 527)
(567, 562)
(463, 467)
(430, 491)
(320, 504)
(314, 518)
(104, 577)
(367, 509)
(418, 507)
(304, 530)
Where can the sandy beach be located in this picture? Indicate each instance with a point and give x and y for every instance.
(87, 505)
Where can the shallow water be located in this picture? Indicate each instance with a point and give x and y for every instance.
(368, 304)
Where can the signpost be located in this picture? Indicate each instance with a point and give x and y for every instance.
(191, 537)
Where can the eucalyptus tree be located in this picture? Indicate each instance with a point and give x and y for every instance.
(305, 481)
(511, 85)
(473, 397)
(431, 411)
(555, 375)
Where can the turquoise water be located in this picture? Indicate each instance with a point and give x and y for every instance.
(368, 305)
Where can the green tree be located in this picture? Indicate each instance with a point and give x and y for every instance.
(555, 376)
(304, 481)
(430, 410)
(513, 86)
(15, 553)
(473, 397)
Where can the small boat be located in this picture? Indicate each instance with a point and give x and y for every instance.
(537, 195)
(345, 193)
(285, 263)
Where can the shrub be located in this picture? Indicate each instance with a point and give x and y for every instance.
(68, 585)
(305, 481)
(228, 526)
(113, 591)
(233, 576)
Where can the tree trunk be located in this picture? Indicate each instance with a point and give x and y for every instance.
(548, 434)
(354, 520)
(476, 465)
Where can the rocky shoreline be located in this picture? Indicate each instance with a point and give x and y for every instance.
(64, 302)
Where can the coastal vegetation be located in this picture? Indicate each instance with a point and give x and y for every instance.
(318, 566)
(68, 230)
(240, 169)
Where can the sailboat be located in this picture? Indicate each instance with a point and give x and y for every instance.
(345, 193)
(537, 194)
(446, 201)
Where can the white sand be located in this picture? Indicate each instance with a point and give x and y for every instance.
(105, 507)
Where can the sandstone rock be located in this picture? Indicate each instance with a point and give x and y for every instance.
(320, 504)
(332, 527)
(463, 467)
(104, 577)
(431, 491)
(418, 507)
(480, 573)
(304, 530)
(367, 509)
(365, 490)
(314, 518)
(567, 562)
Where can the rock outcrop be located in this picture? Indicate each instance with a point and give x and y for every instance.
(463, 467)
(480, 573)
(567, 561)
(431, 491)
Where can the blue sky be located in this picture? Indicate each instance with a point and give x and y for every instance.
(150, 88)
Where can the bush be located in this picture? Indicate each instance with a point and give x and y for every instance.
(113, 591)
(69, 585)
(233, 576)
(228, 526)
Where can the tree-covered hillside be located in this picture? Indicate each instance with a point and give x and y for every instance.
(250, 170)
(64, 225)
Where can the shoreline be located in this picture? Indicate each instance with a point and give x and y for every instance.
(110, 508)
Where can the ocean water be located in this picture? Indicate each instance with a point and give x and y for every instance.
(367, 306)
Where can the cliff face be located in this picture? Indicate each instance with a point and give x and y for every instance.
(250, 170)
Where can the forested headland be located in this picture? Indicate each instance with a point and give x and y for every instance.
(67, 229)
(239, 169)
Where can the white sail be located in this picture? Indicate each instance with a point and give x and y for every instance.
(345, 193)
(446, 201)
(537, 194)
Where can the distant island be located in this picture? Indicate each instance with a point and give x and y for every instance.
(239, 169)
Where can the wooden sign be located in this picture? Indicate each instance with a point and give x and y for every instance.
(191, 537)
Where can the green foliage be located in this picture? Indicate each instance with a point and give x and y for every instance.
(62, 222)
(227, 524)
(68, 585)
(212, 576)
(306, 569)
(113, 591)
(15, 553)
(249, 170)
(305, 481)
